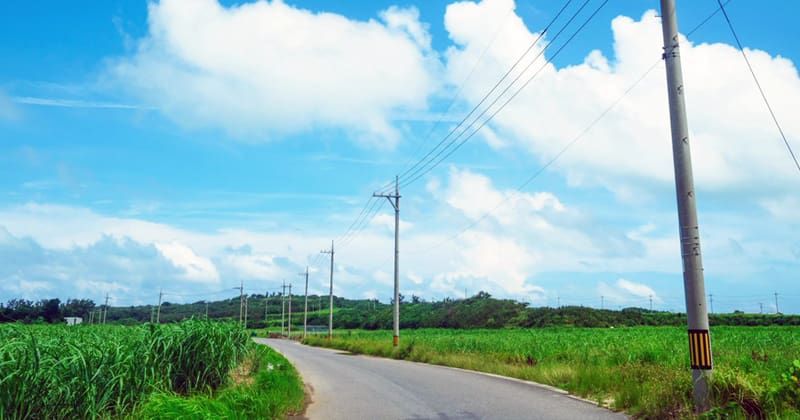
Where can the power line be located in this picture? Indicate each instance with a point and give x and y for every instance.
(758, 84)
(461, 85)
(514, 95)
(567, 146)
(427, 167)
(492, 90)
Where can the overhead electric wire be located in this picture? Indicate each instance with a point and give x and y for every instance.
(514, 95)
(571, 143)
(758, 84)
(364, 223)
(458, 91)
(496, 85)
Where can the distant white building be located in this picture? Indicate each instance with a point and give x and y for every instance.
(73, 320)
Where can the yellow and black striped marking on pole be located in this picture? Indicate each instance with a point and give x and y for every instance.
(700, 349)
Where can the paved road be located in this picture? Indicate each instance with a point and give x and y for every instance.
(345, 386)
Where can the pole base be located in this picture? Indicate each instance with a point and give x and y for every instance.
(396, 341)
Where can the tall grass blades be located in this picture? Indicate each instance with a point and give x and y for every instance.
(59, 372)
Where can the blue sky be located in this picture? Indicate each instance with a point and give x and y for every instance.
(193, 145)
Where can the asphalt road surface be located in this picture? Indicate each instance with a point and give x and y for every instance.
(345, 386)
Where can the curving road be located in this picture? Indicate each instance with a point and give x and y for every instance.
(345, 386)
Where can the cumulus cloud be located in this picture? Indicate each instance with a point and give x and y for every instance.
(194, 267)
(626, 292)
(268, 68)
(734, 144)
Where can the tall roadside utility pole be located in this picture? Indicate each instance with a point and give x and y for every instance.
(290, 310)
(245, 312)
(693, 283)
(305, 309)
(283, 308)
(158, 312)
(105, 309)
(394, 200)
(241, 300)
(266, 309)
(330, 295)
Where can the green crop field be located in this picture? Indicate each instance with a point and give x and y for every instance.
(61, 372)
(642, 370)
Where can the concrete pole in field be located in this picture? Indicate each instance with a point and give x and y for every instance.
(105, 309)
(241, 300)
(394, 200)
(283, 308)
(693, 282)
(245, 311)
(330, 295)
(305, 309)
(776, 304)
(290, 310)
(158, 311)
(266, 309)
(651, 302)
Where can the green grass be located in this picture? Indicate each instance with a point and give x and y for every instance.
(643, 370)
(270, 388)
(60, 372)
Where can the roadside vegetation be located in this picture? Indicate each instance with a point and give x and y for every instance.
(66, 372)
(478, 311)
(643, 371)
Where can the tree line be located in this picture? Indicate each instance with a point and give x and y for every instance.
(479, 311)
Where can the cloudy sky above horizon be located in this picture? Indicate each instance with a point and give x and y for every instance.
(191, 145)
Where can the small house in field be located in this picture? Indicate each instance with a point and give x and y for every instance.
(73, 320)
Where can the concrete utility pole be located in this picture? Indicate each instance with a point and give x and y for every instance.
(711, 302)
(245, 311)
(558, 301)
(266, 309)
(330, 295)
(760, 308)
(776, 304)
(158, 311)
(602, 298)
(305, 309)
(290, 310)
(693, 282)
(105, 309)
(241, 299)
(283, 308)
(396, 205)
(651, 302)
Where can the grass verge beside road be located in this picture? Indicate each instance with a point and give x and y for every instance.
(264, 386)
(643, 370)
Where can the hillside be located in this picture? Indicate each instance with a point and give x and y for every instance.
(479, 311)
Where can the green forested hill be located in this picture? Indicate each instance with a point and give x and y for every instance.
(479, 311)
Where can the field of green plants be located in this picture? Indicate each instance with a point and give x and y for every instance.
(642, 370)
(61, 372)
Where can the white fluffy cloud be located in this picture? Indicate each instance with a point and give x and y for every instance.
(194, 267)
(735, 145)
(628, 292)
(267, 68)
